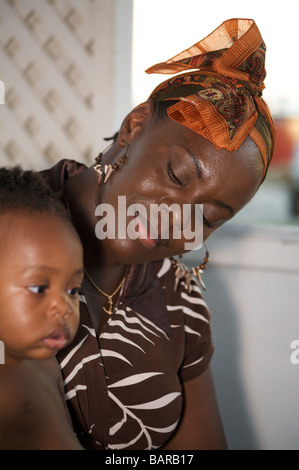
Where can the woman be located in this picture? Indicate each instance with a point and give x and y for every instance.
(137, 375)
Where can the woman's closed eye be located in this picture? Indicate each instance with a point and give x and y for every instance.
(172, 175)
(206, 222)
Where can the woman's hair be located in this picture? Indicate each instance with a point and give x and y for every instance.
(27, 190)
(160, 112)
(161, 109)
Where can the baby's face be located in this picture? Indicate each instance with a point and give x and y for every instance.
(41, 272)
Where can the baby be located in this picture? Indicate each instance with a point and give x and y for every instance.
(41, 271)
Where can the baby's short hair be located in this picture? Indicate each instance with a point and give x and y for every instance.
(27, 190)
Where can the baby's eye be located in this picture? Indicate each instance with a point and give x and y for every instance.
(73, 291)
(38, 289)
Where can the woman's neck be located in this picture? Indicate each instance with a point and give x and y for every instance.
(80, 192)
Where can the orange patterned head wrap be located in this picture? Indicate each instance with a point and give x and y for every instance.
(222, 99)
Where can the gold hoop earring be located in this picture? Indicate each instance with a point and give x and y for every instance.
(182, 272)
(106, 171)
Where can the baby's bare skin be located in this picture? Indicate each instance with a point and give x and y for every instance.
(33, 411)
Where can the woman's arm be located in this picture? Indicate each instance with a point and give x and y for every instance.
(200, 427)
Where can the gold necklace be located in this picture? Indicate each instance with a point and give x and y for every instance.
(109, 297)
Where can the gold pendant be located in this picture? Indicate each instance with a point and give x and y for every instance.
(110, 309)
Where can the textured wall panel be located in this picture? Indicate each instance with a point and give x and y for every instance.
(51, 75)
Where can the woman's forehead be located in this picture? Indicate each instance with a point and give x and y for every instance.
(177, 135)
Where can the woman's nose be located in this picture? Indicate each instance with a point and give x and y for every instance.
(181, 216)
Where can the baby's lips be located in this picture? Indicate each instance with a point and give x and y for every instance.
(57, 339)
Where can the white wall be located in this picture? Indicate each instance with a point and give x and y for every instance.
(253, 294)
(163, 28)
(66, 67)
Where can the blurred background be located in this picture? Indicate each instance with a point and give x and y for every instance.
(72, 69)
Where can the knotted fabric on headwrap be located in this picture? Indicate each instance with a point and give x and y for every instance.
(222, 99)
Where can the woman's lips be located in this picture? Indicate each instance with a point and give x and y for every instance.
(145, 237)
(57, 339)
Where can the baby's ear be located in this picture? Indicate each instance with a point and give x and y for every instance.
(135, 121)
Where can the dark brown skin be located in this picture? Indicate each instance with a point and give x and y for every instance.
(38, 298)
(223, 181)
(33, 410)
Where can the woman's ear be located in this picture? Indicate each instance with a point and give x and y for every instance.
(135, 121)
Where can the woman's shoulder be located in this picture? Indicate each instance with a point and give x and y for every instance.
(186, 294)
(61, 171)
(186, 307)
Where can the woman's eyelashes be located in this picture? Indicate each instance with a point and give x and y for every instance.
(206, 222)
(173, 176)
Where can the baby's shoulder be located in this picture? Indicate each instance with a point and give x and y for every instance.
(33, 410)
(11, 378)
(14, 402)
(24, 390)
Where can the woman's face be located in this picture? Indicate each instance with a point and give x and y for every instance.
(169, 163)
